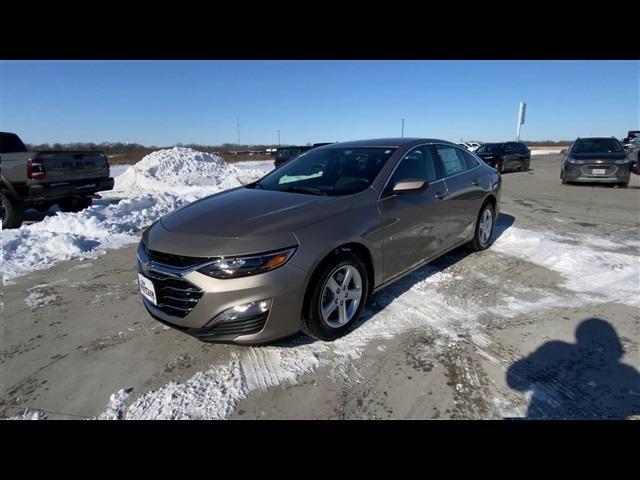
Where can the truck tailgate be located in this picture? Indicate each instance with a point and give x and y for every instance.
(69, 166)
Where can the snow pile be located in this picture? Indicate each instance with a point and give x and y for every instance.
(180, 171)
(160, 183)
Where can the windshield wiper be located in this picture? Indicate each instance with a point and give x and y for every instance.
(311, 190)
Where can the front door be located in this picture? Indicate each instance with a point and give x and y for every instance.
(416, 222)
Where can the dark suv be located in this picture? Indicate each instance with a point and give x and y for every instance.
(596, 159)
(284, 154)
(505, 156)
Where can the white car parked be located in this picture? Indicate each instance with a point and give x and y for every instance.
(471, 146)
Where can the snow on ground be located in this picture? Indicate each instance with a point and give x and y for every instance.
(590, 275)
(546, 151)
(161, 182)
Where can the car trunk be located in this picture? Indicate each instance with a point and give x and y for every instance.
(72, 166)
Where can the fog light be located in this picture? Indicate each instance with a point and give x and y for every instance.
(243, 312)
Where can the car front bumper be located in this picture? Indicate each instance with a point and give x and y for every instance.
(285, 287)
(613, 173)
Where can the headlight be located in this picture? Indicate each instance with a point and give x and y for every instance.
(626, 160)
(574, 161)
(242, 266)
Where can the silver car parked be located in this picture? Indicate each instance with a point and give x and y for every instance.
(303, 248)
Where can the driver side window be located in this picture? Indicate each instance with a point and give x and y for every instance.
(418, 164)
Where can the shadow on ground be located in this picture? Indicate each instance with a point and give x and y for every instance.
(382, 299)
(582, 380)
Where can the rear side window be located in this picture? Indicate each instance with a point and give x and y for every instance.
(470, 160)
(418, 164)
(10, 143)
(453, 160)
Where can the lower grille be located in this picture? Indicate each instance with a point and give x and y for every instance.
(233, 328)
(175, 297)
(587, 170)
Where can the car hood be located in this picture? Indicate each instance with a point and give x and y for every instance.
(255, 220)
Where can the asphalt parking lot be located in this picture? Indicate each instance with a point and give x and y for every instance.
(469, 336)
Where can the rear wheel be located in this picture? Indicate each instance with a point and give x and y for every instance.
(484, 228)
(75, 204)
(336, 297)
(11, 211)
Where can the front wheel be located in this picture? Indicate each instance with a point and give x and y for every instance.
(500, 166)
(336, 297)
(484, 228)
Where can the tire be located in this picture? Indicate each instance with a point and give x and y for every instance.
(74, 204)
(11, 211)
(564, 182)
(480, 241)
(500, 166)
(313, 322)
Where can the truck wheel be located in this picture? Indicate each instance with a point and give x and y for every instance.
(11, 211)
(74, 204)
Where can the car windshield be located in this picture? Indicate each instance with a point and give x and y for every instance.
(597, 145)
(328, 171)
(489, 148)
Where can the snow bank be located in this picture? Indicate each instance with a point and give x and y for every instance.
(160, 183)
(546, 151)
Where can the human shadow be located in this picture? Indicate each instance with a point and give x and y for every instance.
(386, 296)
(582, 380)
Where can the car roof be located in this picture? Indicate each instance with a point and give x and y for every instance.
(387, 142)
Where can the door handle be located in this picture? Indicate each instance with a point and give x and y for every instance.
(475, 182)
(440, 195)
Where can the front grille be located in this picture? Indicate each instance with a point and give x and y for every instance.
(587, 170)
(175, 297)
(176, 261)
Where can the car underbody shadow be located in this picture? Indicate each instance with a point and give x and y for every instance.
(383, 298)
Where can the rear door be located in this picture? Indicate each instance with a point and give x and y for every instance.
(512, 156)
(416, 222)
(462, 174)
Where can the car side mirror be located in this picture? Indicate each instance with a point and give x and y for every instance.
(409, 186)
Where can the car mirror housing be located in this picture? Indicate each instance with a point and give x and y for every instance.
(409, 186)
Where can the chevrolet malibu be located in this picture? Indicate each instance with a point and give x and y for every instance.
(303, 248)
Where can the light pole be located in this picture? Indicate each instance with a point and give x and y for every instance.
(402, 134)
(278, 137)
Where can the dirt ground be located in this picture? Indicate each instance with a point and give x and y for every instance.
(92, 336)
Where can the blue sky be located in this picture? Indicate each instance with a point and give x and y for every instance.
(167, 102)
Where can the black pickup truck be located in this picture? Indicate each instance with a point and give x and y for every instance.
(40, 179)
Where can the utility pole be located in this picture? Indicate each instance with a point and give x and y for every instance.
(238, 127)
(402, 134)
(278, 137)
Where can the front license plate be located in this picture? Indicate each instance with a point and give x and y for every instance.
(146, 289)
(598, 171)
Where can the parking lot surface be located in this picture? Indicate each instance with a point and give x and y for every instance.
(545, 324)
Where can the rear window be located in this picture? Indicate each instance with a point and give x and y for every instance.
(9, 143)
(597, 145)
(490, 148)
